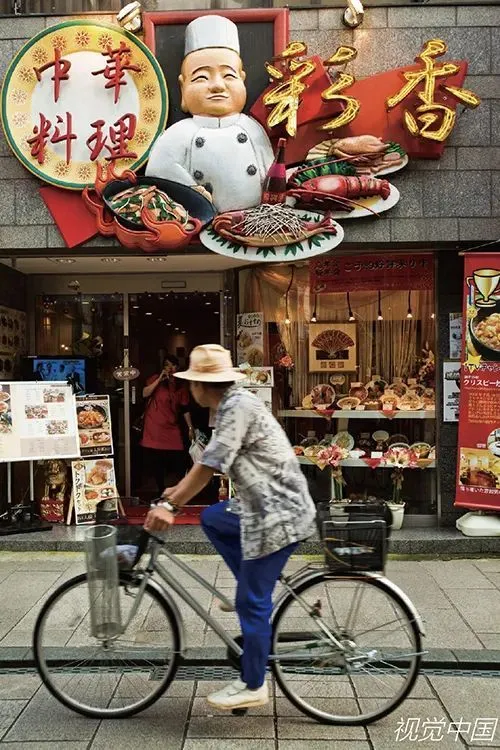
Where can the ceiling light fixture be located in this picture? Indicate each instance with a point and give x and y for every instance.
(352, 16)
(64, 261)
(287, 316)
(157, 259)
(379, 315)
(314, 317)
(409, 314)
(349, 308)
(110, 260)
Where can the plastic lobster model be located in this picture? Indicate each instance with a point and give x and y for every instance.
(336, 192)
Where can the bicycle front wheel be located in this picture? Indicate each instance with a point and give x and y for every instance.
(106, 679)
(372, 670)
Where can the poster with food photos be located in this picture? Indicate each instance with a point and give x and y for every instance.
(250, 339)
(94, 426)
(37, 421)
(93, 481)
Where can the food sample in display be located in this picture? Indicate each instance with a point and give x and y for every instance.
(390, 401)
(422, 450)
(358, 390)
(310, 440)
(376, 389)
(398, 439)
(312, 451)
(307, 402)
(322, 395)
(411, 402)
(327, 440)
(485, 331)
(344, 440)
(429, 398)
(348, 402)
(398, 387)
(381, 437)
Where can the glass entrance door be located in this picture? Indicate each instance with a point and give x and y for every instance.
(162, 326)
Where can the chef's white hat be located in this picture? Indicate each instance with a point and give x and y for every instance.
(211, 31)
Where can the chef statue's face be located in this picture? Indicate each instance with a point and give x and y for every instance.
(213, 83)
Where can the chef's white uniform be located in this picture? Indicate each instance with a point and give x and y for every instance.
(229, 156)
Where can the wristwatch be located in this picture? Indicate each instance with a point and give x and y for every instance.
(168, 506)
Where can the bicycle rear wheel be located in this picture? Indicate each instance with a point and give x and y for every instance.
(382, 655)
(106, 679)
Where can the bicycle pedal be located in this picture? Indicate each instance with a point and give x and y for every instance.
(239, 711)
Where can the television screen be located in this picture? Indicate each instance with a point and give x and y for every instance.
(52, 368)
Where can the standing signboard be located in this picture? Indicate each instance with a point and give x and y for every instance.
(478, 474)
(93, 481)
(94, 426)
(37, 421)
(250, 338)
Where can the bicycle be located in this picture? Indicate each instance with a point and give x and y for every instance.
(329, 656)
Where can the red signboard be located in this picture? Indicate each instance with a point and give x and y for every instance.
(478, 472)
(371, 272)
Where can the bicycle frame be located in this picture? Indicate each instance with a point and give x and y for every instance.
(169, 579)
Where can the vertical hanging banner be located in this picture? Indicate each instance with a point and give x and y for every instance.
(478, 473)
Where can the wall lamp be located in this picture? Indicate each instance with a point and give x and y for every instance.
(353, 14)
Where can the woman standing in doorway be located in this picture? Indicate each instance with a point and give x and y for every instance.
(166, 421)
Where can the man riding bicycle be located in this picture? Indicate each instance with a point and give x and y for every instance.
(257, 533)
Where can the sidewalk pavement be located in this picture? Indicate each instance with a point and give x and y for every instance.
(459, 601)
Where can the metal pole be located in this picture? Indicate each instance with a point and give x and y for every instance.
(126, 397)
(32, 484)
(9, 484)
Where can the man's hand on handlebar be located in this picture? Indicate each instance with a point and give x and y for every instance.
(159, 519)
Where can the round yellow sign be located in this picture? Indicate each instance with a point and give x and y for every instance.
(80, 92)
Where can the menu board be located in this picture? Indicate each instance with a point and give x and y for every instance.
(93, 481)
(37, 421)
(94, 426)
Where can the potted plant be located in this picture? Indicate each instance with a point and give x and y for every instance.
(400, 459)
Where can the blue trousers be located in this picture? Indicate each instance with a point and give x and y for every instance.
(256, 580)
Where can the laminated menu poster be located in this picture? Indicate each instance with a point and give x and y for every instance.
(37, 421)
(93, 481)
(250, 339)
(94, 425)
(478, 474)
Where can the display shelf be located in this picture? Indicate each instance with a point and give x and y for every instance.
(352, 463)
(353, 414)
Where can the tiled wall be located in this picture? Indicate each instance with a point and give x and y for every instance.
(455, 198)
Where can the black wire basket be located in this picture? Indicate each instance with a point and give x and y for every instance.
(355, 546)
(107, 513)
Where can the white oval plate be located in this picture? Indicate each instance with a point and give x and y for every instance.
(316, 245)
(366, 205)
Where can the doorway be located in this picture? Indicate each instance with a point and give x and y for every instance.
(161, 324)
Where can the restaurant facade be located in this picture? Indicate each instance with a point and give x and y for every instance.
(356, 339)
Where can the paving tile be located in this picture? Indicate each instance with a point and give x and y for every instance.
(321, 745)
(159, 727)
(456, 574)
(488, 566)
(225, 727)
(445, 628)
(46, 746)
(217, 744)
(470, 698)
(9, 711)
(18, 686)
(490, 640)
(64, 725)
(472, 606)
(294, 726)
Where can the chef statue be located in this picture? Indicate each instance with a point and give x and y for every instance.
(220, 152)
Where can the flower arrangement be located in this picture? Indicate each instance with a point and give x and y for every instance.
(286, 362)
(332, 456)
(399, 458)
(427, 371)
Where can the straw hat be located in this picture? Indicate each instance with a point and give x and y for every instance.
(211, 363)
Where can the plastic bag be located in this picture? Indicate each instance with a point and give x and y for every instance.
(198, 445)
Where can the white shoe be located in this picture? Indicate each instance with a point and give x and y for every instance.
(225, 607)
(237, 695)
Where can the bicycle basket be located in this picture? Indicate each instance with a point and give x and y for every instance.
(354, 546)
(127, 532)
(103, 581)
